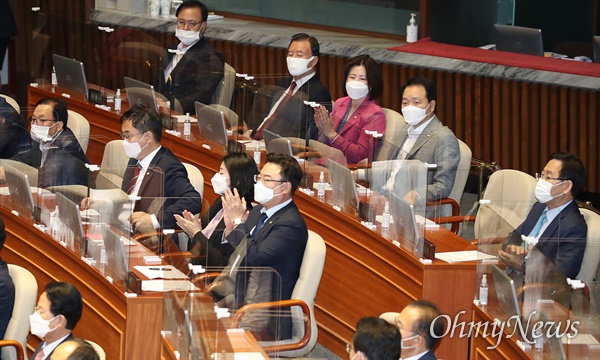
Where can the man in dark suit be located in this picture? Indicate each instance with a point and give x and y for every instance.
(421, 330)
(57, 312)
(154, 174)
(14, 136)
(55, 152)
(273, 235)
(554, 223)
(192, 69)
(7, 289)
(375, 339)
(288, 115)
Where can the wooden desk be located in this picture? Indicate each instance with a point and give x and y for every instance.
(365, 274)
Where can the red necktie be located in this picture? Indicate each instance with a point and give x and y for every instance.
(136, 174)
(288, 95)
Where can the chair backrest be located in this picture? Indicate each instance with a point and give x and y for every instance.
(80, 127)
(390, 317)
(113, 166)
(511, 194)
(462, 173)
(224, 91)
(25, 300)
(99, 350)
(231, 118)
(196, 177)
(391, 139)
(12, 102)
(591, 257)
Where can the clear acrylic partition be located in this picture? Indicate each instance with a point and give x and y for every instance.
(442, 195)
(398, 191)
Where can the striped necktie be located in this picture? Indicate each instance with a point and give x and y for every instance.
(136, 174)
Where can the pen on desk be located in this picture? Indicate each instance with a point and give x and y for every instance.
(159, 269)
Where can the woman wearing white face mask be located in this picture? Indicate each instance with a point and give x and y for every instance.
(375, 339)
(237, 171)
(352, 115)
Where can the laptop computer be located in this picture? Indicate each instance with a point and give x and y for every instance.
(71, 217)
(506, 293)
(70, 74)
(211, 123)
(342, 184)
(140, 93)
(277, 144)
(117, 259)
(403, 215)
(519, 39)
(18, 188)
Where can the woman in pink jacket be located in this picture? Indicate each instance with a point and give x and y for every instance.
(352, 115)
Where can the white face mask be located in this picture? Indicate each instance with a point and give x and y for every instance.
(187, 37)
(39, 326)
(132, 150)
(414, 115)
(408, 347)
(40, 133)
(357, 89)
(263, 194)
(542, 190)
(219, 184)
(298, 66)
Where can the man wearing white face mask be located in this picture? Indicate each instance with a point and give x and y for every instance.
(554, 221)
(192, 69)
(55, 151)
(274, 235)
(288, 115)
(57, 312)
(420, 328)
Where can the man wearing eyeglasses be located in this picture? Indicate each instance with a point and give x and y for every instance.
(554, 222)
(55, 152)
(272, 235)
(192, 69)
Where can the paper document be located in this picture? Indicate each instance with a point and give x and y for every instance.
(468, 255)
(580, 339)
(248, 356)
(161, 272)
(168, 285)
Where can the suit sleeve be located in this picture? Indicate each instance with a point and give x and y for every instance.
(206, 71)
(355, 152)
(571, 247)
(447, 156)
(182, 195)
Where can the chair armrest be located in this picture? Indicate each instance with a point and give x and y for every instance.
(455, 212)
(203, 281)
(309, 155)
(278, 304)
(16, 345)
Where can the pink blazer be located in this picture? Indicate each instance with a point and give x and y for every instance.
(352, 140)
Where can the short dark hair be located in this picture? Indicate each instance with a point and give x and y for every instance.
(144, 118)
(377, 339)
(83, 351)
(290, 169)
(2, 234)
(428, 313)
(314, 43)
(242, 169)
(374, 77)
(59, 109)
(429, 86)
(65, 300)
(193, 4)
(572, 169)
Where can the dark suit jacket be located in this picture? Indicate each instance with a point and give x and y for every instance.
(564, 240)
(7, 298)
(195, 76)
(428, 356)
(297, 119)
(39, 348)
(14, 136)
(166, 178)
(279, 245)
(65, 162)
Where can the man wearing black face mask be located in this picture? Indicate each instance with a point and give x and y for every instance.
(554, 222)
(191, 70)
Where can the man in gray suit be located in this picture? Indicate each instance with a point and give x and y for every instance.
(425, 138)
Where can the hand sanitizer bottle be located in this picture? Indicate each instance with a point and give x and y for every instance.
(118, 101)
(321, 185)
(55, 225)
(257, 152)
(54, 79)
(412, 30)
(483, 291)
(385, 219)
(187, 127)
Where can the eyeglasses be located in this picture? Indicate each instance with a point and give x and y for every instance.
(349, 348)
(258, 178)
(190, 23)
(129, 136)
(39, 120)
(546, 177)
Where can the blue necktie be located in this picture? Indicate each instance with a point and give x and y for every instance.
(261, 222)
(536, 229)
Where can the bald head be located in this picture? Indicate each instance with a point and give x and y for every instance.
(76, 349)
